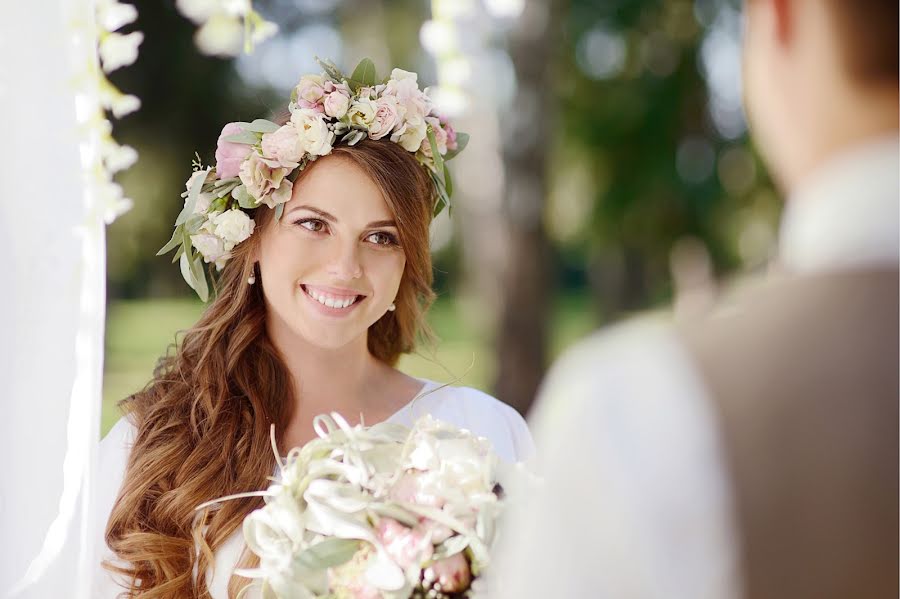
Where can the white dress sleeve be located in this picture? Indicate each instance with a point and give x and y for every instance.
(635, 499)
(113, 457)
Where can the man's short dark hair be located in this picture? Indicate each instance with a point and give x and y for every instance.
(869, 40)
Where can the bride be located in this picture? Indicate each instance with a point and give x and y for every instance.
(316, 301)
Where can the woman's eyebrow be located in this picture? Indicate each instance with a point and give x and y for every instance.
(382, 223)
(321, 213)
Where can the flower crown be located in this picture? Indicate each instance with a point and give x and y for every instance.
(257, 163)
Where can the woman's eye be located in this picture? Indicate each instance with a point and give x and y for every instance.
(316, 226)
(382, 238)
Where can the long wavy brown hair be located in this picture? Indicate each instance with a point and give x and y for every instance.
(202, 422)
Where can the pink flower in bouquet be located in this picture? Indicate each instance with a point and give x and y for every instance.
(406, 546)
(452, 573)
(364, 591)
(409, 489)
(230, 155)
(439, 532)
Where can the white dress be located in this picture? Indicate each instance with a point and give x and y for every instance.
(464, 407)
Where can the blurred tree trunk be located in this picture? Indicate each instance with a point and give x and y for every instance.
(527, 282)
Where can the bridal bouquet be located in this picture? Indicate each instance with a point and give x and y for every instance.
(380, 512)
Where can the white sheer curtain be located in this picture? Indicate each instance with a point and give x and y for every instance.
(52, 299)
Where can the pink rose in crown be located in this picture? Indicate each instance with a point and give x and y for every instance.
(387, 116)
(337, 99)
(266, 180)
(440, 136)
(311, 92)
(230, 155)
(283, 145)
(451, 132)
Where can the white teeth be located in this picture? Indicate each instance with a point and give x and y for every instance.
(329, 301)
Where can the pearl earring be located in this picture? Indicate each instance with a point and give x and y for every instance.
(392, 307)
(252, 278)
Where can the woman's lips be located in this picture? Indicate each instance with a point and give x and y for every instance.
(332, 300)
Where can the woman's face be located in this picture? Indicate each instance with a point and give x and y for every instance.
(332, 265)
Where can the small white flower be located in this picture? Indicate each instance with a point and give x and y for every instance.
(263, 31)
(233, 226)
(114, 15)
(198, 11)
(117, 50)
(111, 198)
(221, 35)
(118, 158)
(123, 104)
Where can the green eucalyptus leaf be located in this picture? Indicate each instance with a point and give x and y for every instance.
(199, 275)
(451, 547)
(243, 197)
(435, 155)
(396, 512)
(260, 126)
(186, 273)
(279, 210)
(173, 243)
(178, 254)
(462, 140)
(195, 185)
(330, 69)
(221, 189)
(364, 73)
(439, 206)
(448, 181)
(246, 137)
(328, 553)
(193, 224)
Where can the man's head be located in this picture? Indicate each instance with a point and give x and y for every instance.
(819, 75)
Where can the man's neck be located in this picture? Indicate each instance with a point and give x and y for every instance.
(855, 118)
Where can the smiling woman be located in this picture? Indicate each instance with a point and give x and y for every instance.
(314, 304)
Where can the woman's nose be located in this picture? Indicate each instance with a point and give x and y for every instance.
(345, 264)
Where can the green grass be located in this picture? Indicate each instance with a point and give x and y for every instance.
(139, 332)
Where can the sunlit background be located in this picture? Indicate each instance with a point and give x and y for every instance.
(608, 172)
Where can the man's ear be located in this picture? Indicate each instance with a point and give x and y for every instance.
(783, 19)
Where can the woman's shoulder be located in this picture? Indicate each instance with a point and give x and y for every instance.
(480, 413)
(119, 439)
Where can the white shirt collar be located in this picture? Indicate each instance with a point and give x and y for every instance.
(847, 215)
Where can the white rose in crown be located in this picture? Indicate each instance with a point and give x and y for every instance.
(312, 128)
(211, 247)
(233, 226)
